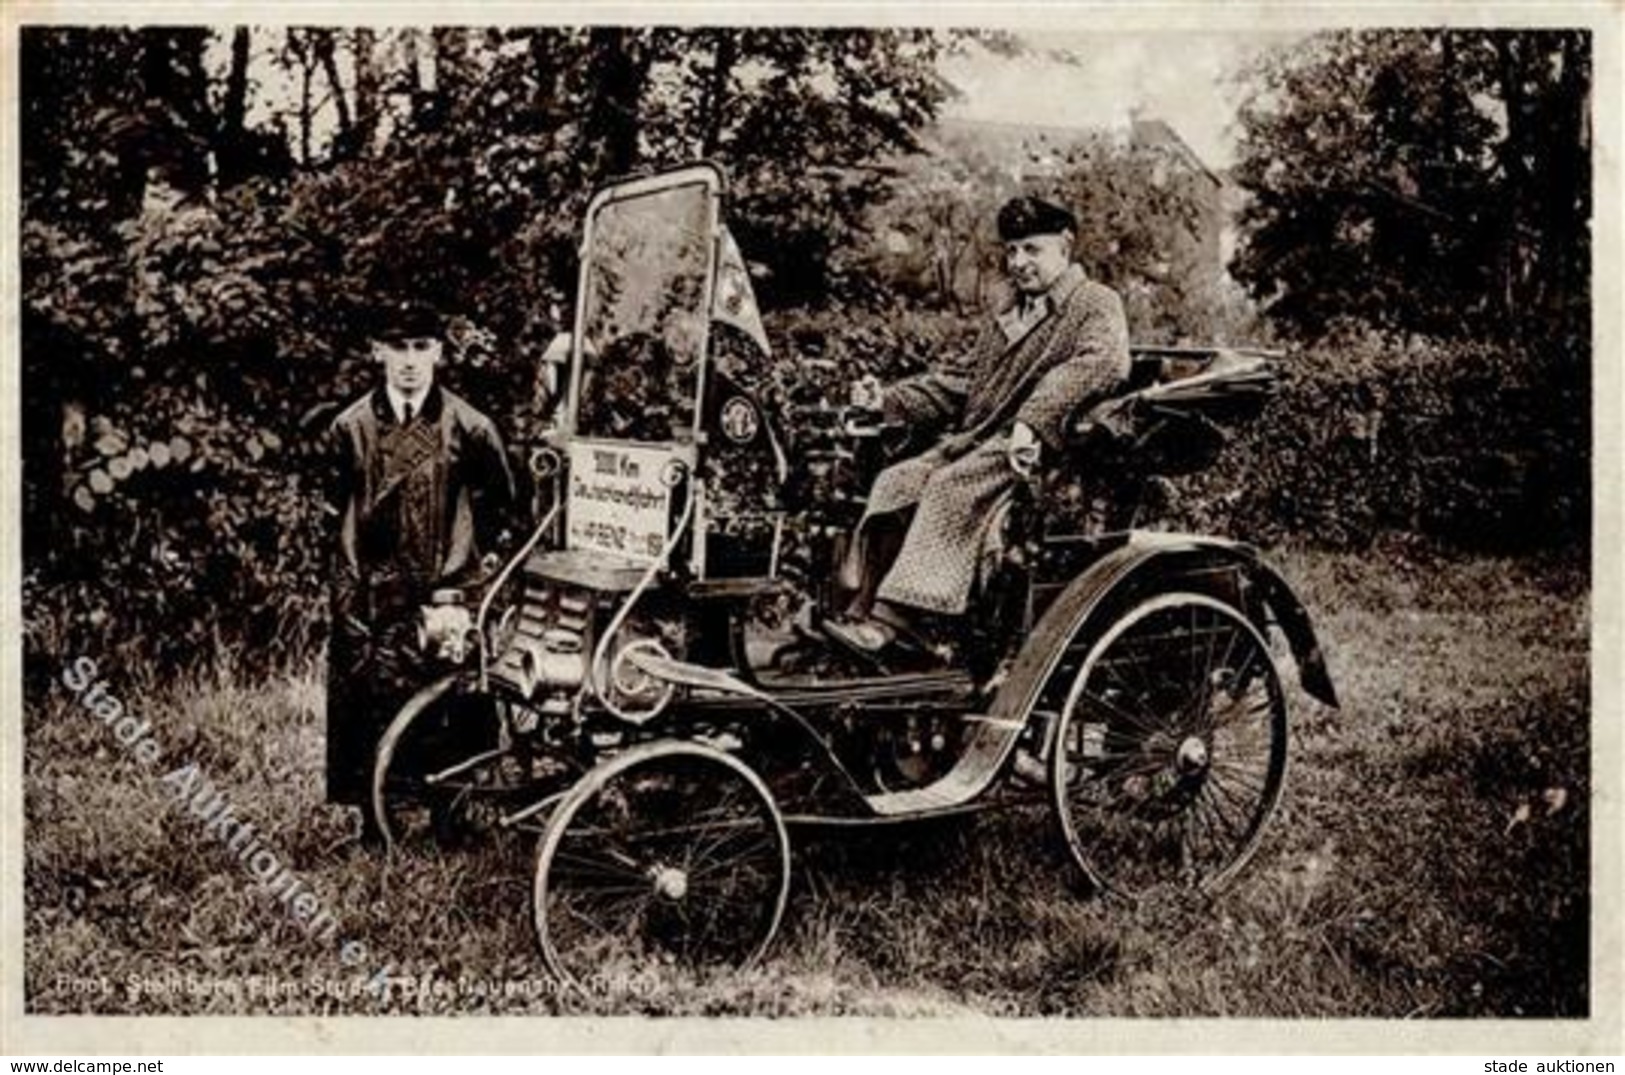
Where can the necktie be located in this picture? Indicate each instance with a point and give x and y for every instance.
(406, 414)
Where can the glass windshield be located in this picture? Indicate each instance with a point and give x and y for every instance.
(644, 318)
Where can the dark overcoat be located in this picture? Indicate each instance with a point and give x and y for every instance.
(1036, 363)
(416, 502)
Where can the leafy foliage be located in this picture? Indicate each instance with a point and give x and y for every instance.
(1419, 215)
(1429, 181)
(192, 283)
(1458, 441)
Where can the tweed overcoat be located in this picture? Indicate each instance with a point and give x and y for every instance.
(414, 502)
(1036, 364)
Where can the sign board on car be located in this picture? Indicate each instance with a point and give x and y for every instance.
(620, 502)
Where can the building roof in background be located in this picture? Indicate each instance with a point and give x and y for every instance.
(1038, 139)
(1160, 133)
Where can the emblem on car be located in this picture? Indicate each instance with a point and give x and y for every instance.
(739, 420)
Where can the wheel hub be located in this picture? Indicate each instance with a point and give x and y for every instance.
(1192, 756)
(670, 882)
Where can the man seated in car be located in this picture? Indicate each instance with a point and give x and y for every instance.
(1063, 342)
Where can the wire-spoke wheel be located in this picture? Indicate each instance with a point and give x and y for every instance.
(1170, 753)
(671, 853)
(430, 765)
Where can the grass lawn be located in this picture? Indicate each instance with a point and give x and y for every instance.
(1431, 857)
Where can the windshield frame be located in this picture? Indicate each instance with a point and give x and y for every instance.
(710, 179)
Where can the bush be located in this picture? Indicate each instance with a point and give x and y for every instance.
(889, 342)
(1478, 444)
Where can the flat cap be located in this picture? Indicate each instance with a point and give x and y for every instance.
(1030, 215)
(403, 319)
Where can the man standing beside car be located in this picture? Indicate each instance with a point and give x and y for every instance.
(421, 484)
(1061, 344)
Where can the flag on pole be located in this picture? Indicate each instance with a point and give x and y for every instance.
(734, 303)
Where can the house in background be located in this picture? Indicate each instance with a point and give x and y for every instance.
(1178, 165)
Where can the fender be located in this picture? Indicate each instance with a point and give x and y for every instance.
(1293, 620)
(1144, 558)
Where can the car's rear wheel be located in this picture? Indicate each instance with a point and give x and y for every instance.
(1170, 753)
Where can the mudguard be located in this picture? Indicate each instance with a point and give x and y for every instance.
(1143, 563)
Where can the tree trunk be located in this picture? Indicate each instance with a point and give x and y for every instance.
(412, 76)
(322, 53)
(230, 143)
(715, 108)
(325, 47)
(364, 45)
(618, 69)
(1565, 248)
(236, 104)
(1514, 172)
(306, 107)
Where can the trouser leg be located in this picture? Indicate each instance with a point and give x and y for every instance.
(349, 725)
(370, 675)
(871, 556)
(936, 565)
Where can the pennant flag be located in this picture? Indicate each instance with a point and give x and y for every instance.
(734, 303)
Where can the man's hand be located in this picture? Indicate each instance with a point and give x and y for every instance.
(867, 392)
(1024, 449)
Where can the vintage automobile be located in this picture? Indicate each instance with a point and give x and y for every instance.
(632, 697)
